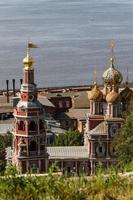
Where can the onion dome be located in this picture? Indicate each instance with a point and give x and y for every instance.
(112, 75)
(113, 96)
(95, 94)
(28, 62)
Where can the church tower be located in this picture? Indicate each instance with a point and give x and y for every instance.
(29, 152)
(104, 118)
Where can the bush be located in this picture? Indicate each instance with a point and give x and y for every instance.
(55, 187)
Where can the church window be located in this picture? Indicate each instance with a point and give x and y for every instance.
(113, 129)
(100, 149)
(41, 124)
(96, 108)
(33, 146)
(42, 147)
(21, 125)
(32, 126)
(60, 104)
(115, 110)
(67, 104)
(31, 97)
(101, 108)
(41, 140)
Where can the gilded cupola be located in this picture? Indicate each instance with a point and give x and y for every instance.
(112, 75)
(28, 60)
(95, 94)
(113, 96)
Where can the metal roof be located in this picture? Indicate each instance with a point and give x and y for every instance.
(100, 129)
(45, 101)
(28, 104)
(78, 113)
(67, 152)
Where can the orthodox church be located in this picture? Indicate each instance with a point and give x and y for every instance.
(29, 152)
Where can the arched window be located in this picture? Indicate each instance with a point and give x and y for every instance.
(32, 126)
(100, 150)
(33, 146)
(21, 125)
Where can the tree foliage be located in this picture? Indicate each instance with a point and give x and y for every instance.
(2, 153)
(55, 187)
(5, 141)
(123, 141)
(70, 138)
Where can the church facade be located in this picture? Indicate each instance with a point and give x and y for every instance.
(104, 119)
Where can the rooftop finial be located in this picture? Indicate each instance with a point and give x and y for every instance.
(28, 60)
(112, 45)
(95, 75)
(28, 49)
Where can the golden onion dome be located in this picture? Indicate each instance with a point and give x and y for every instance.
(28, 62)
(112, 75)
(113, 96)
(95, 94)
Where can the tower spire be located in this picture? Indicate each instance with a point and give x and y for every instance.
(112, 45)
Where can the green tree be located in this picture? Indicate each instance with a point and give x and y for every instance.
(70, 138)
(8, 139)
(2, 153)
(5, 141)
(123, 142)
(11, 170)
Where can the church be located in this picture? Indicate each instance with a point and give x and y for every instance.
(107, 103)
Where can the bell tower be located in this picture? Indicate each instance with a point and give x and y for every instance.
(29, 135)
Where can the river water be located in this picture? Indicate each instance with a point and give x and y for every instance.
(73, 38)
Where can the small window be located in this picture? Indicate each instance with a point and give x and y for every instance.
(32, 126)
(41, 124)
(42, 147)
(67, 104)
(21, 126)
(60, 104)
(33, 146)
(100, 149)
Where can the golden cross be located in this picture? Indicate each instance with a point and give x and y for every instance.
(112, 46)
